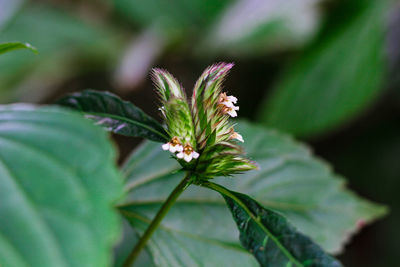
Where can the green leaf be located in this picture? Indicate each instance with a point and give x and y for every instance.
(269, 236)
(199, 227)
(334, 79)
(124, 247)
(115, 115)
(59, 183)
(66, 43)
(189, 236)
(7, 47)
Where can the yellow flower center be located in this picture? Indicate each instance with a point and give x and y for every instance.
(175, 141)
(187, 149)
(222, 98)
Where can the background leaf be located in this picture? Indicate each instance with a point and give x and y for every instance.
(6, 47)
(290, 181)
(8, 9)
(66, 43)
(116, 115)
(269, 236)
(335, 78)
(251, 27)
(174, 17)
(124, 247)
(58, 184)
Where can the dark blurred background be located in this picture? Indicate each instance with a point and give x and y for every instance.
(326, 71)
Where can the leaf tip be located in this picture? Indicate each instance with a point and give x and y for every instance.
(32, 48)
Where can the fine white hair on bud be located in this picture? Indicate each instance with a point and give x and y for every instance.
(166, 84)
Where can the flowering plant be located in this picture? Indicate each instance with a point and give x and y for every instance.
(59, 179)
(201, 137)
(201, 134)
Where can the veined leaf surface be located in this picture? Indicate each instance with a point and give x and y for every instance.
(270, 237)
(290, 181)
(116, 115)
(58, 185)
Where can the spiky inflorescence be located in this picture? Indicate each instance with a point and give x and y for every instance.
(204, 130)
(175, 107)
(209, 121)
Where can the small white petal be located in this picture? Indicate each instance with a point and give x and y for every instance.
(195, 154)
(180, 155)
(165, 146)
(238, 137)
(228, 104)
(232, 113)
(235, 107)
(232, 99)
(179, 148)
(173, 148)
(187, 157)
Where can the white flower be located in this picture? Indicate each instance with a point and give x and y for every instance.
(227, 103)
(237, 136)
(232, 99)
(232, 111)
(165, 146)
(188, 153)
(227, 100)
(173, 146)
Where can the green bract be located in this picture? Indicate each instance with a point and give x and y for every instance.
(200, 132)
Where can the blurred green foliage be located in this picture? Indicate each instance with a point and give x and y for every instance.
(334, 78)
(253, 27)
(61, 38)
(176, 16)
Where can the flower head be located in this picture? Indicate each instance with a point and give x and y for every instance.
(173, 146)
(227, 101)
(230, 110)
(188, 153)
(203, 126)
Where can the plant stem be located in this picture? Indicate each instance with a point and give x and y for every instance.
(156, 221)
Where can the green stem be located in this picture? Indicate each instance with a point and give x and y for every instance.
(156, 221)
